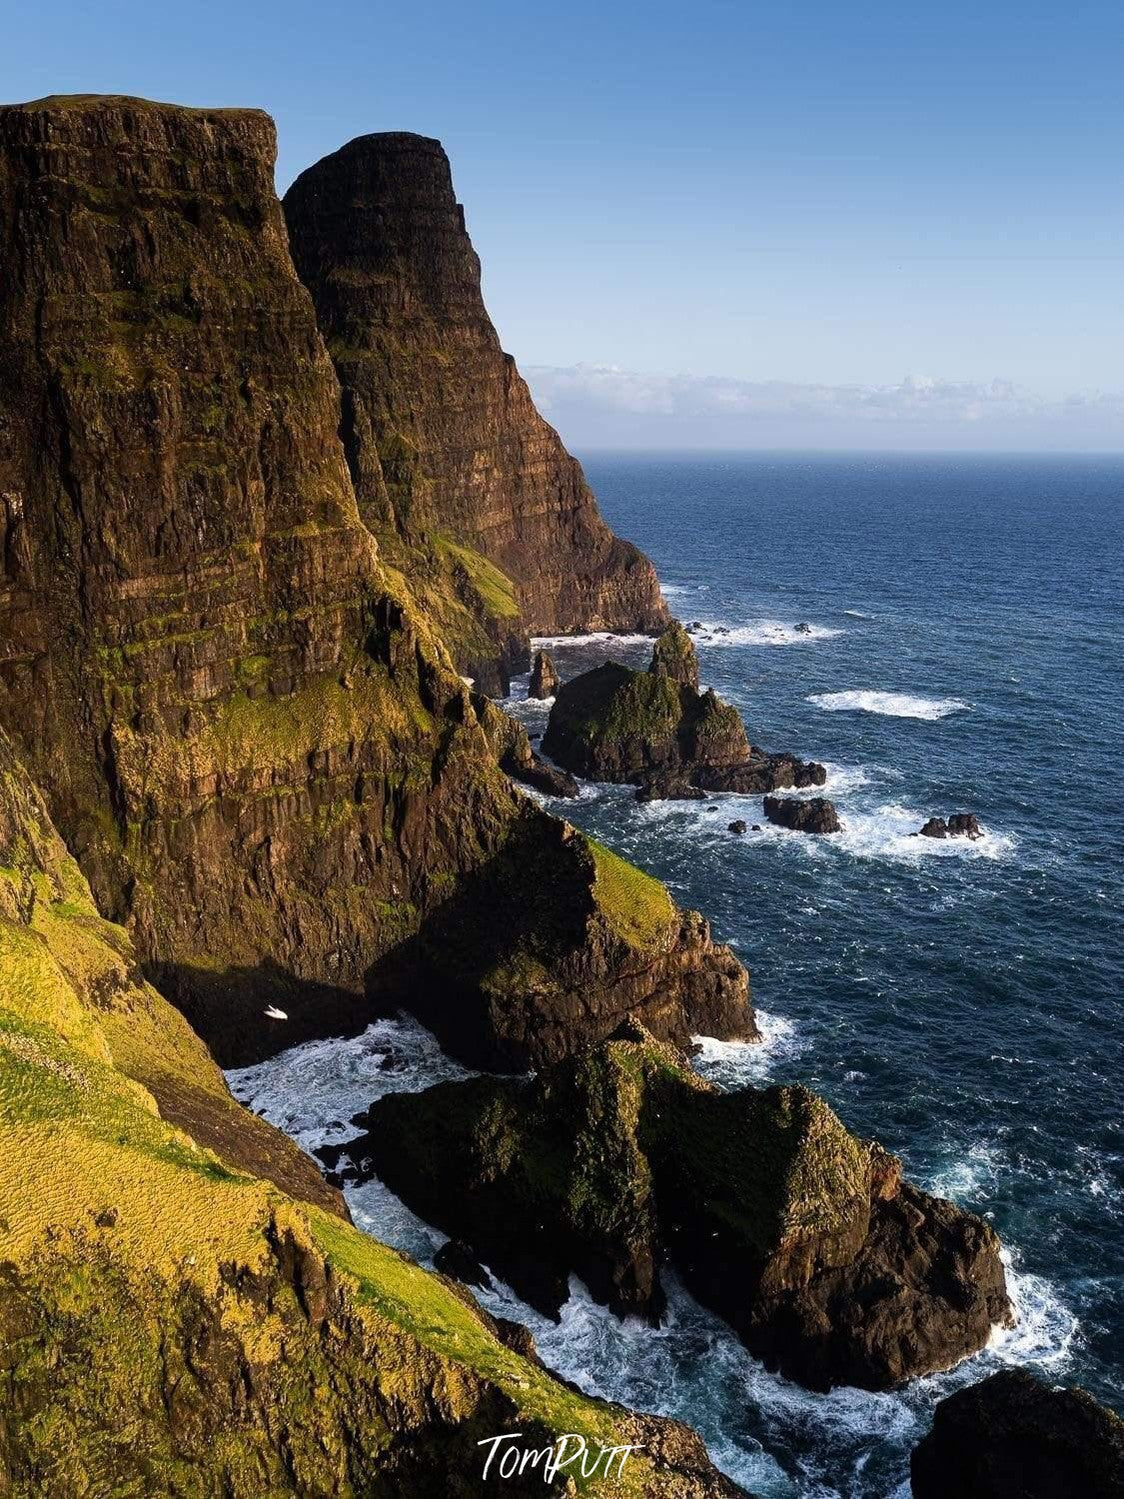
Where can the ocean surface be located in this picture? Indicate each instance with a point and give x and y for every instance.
(962, 1002)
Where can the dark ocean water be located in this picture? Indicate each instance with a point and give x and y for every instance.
(964, 1003)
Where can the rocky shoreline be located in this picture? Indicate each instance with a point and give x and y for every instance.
(277, 519)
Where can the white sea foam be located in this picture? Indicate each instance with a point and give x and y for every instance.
(1044, 1329)
(596, 637)
(893, 704)
(871, 830)
(737, 1064)
(858, 614)
(761, 632)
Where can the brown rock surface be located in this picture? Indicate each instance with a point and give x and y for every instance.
(442, 436)
(244, 729)
(655, 729)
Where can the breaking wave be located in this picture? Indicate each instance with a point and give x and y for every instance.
(762, 632)
(893, 704)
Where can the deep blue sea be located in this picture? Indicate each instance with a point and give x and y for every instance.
(962, 1002)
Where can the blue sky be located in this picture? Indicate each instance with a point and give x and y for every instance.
(864, 197)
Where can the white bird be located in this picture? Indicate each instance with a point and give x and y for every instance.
(274, 1013)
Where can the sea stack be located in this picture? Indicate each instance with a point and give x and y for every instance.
(656, 730)
(544, 678)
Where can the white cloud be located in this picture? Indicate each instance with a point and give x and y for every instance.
(603, 404)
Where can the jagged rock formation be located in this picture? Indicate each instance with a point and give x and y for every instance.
(444, 442)
(1013, 1437)
(544, 677)
(172, 1321)
(245, 728)
(512, 748)
(959, 825)
(814, 814)
(805, 1239)
(656, 730)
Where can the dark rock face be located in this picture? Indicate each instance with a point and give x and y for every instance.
(1013, 1437)
(668, 788)
(814, 815)
(544, 678)
(512, 748)
(656, 730)
(959, 825)
(457, 1261)
(243, 726)
(804, 1238)
(442, 437)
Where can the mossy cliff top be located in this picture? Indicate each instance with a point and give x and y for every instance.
(802, 1236)
(174, 1324)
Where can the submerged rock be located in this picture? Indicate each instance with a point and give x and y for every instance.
(621, 1158)
(737, 826)
(544, 677)
(670, 788)
(812, 815)
(656, 730)
(1014, 1437)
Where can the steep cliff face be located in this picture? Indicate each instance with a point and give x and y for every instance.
(441, 433)
(172, 1321)
(246, 731)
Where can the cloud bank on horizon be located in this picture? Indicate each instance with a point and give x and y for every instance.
(604, 406)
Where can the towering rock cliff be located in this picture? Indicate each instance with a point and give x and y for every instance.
(245, 730)
(445, 445)
(184, 1309)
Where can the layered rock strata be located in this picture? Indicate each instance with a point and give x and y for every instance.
(829, 1266)
(245, 727)
(184, 1309)
(444, 442)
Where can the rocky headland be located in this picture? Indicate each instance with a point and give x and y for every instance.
(620, 1159)
(656, 730)
(452, 464)
(247, 725)
(259, 521)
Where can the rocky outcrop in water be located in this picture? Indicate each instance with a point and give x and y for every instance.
(805, 1239)
(443, 439)
(544, 677)
(959, 825)
(656, 730)
(813, 814)
(245, 726)
(1014, 1437)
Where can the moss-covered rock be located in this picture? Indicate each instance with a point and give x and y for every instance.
(802, 1236)
(172, 1321)
(656, 730)
(442, 437)
(247, 725)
